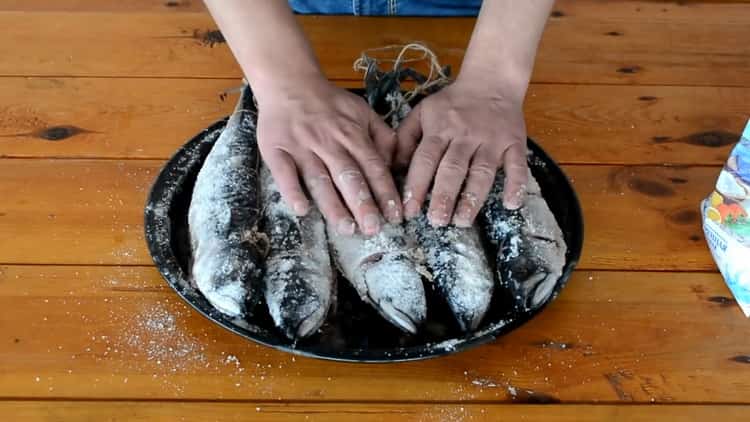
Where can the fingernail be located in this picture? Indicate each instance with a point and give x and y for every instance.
(371, 224)
(346, 227)
(407, 197)
(393, 211)
(513, 202)
(461, 222)
(438, 218)
(411, 210)
(301, 208)
(462, 216)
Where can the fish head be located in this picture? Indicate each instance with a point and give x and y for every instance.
(526, 274)
(394, 287)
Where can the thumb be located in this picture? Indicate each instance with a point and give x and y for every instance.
(408, 134)
(516, 176)
(383, 136)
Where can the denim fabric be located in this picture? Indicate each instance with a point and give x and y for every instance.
(387, 7)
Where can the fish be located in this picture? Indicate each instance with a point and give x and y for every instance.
(530, 244)
(458, 267)
(384, 272)
(223, 215)
(299, 280)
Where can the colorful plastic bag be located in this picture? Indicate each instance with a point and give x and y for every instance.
(726, 222)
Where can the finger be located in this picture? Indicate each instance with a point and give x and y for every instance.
(379, 178)
(450, 176)
(421, 171)
(516, 176)
(321, 188)
(478, 185)
(351, 183)
(383, 136)
(284, 173)
(408, 134)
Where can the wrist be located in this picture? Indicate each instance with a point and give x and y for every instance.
(272, 85)
(496, 82)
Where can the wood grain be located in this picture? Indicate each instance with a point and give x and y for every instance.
(170, 6)
(91, 212)
(653, 49)
(113, 332)
(137, 411)
(151, 118)
(602, 9)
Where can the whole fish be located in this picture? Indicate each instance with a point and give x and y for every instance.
(531, 247)
(299, 280)
(454, 257)
(382, 270)
(223, 215)
(456, 261)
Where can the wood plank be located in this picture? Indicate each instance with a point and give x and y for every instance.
(151, 118)
(652, 50)
(713, 11)
(109, 332)
(91, 212)
(620, 9)
(199, 412)
(103, 5)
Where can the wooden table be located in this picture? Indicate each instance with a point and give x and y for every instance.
(640, 102)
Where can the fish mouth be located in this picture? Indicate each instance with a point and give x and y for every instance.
(532, 290)
(469, 322)
(225, 302)
(398, 317)
(384, 305)
(542, 290)
(307, 324)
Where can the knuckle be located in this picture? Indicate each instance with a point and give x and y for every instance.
(317, 181)
(482, 171)
(377, 170)
(432, 142)
(453, 165)
(516, 167)
(443, 197)
(425, 155)
(350, 179)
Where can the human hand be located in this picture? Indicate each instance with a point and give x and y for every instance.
(333, 141)
(467, 133)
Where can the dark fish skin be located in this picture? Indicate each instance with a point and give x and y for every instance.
(456, 260)
(299, 280)
(458, 265)
(531, 248)
(223, 215)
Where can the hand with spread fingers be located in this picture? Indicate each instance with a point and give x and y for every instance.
(326, 137)
(467, 134)
(454, 141)
(312, 135)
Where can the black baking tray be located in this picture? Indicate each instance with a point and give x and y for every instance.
(353, 332)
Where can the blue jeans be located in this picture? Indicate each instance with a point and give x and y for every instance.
(387, 7)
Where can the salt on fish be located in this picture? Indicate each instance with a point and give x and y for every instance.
(531, 247)
(223, 216)
(299, 280)
(384, 273)
(456, 261)
(458, 267)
